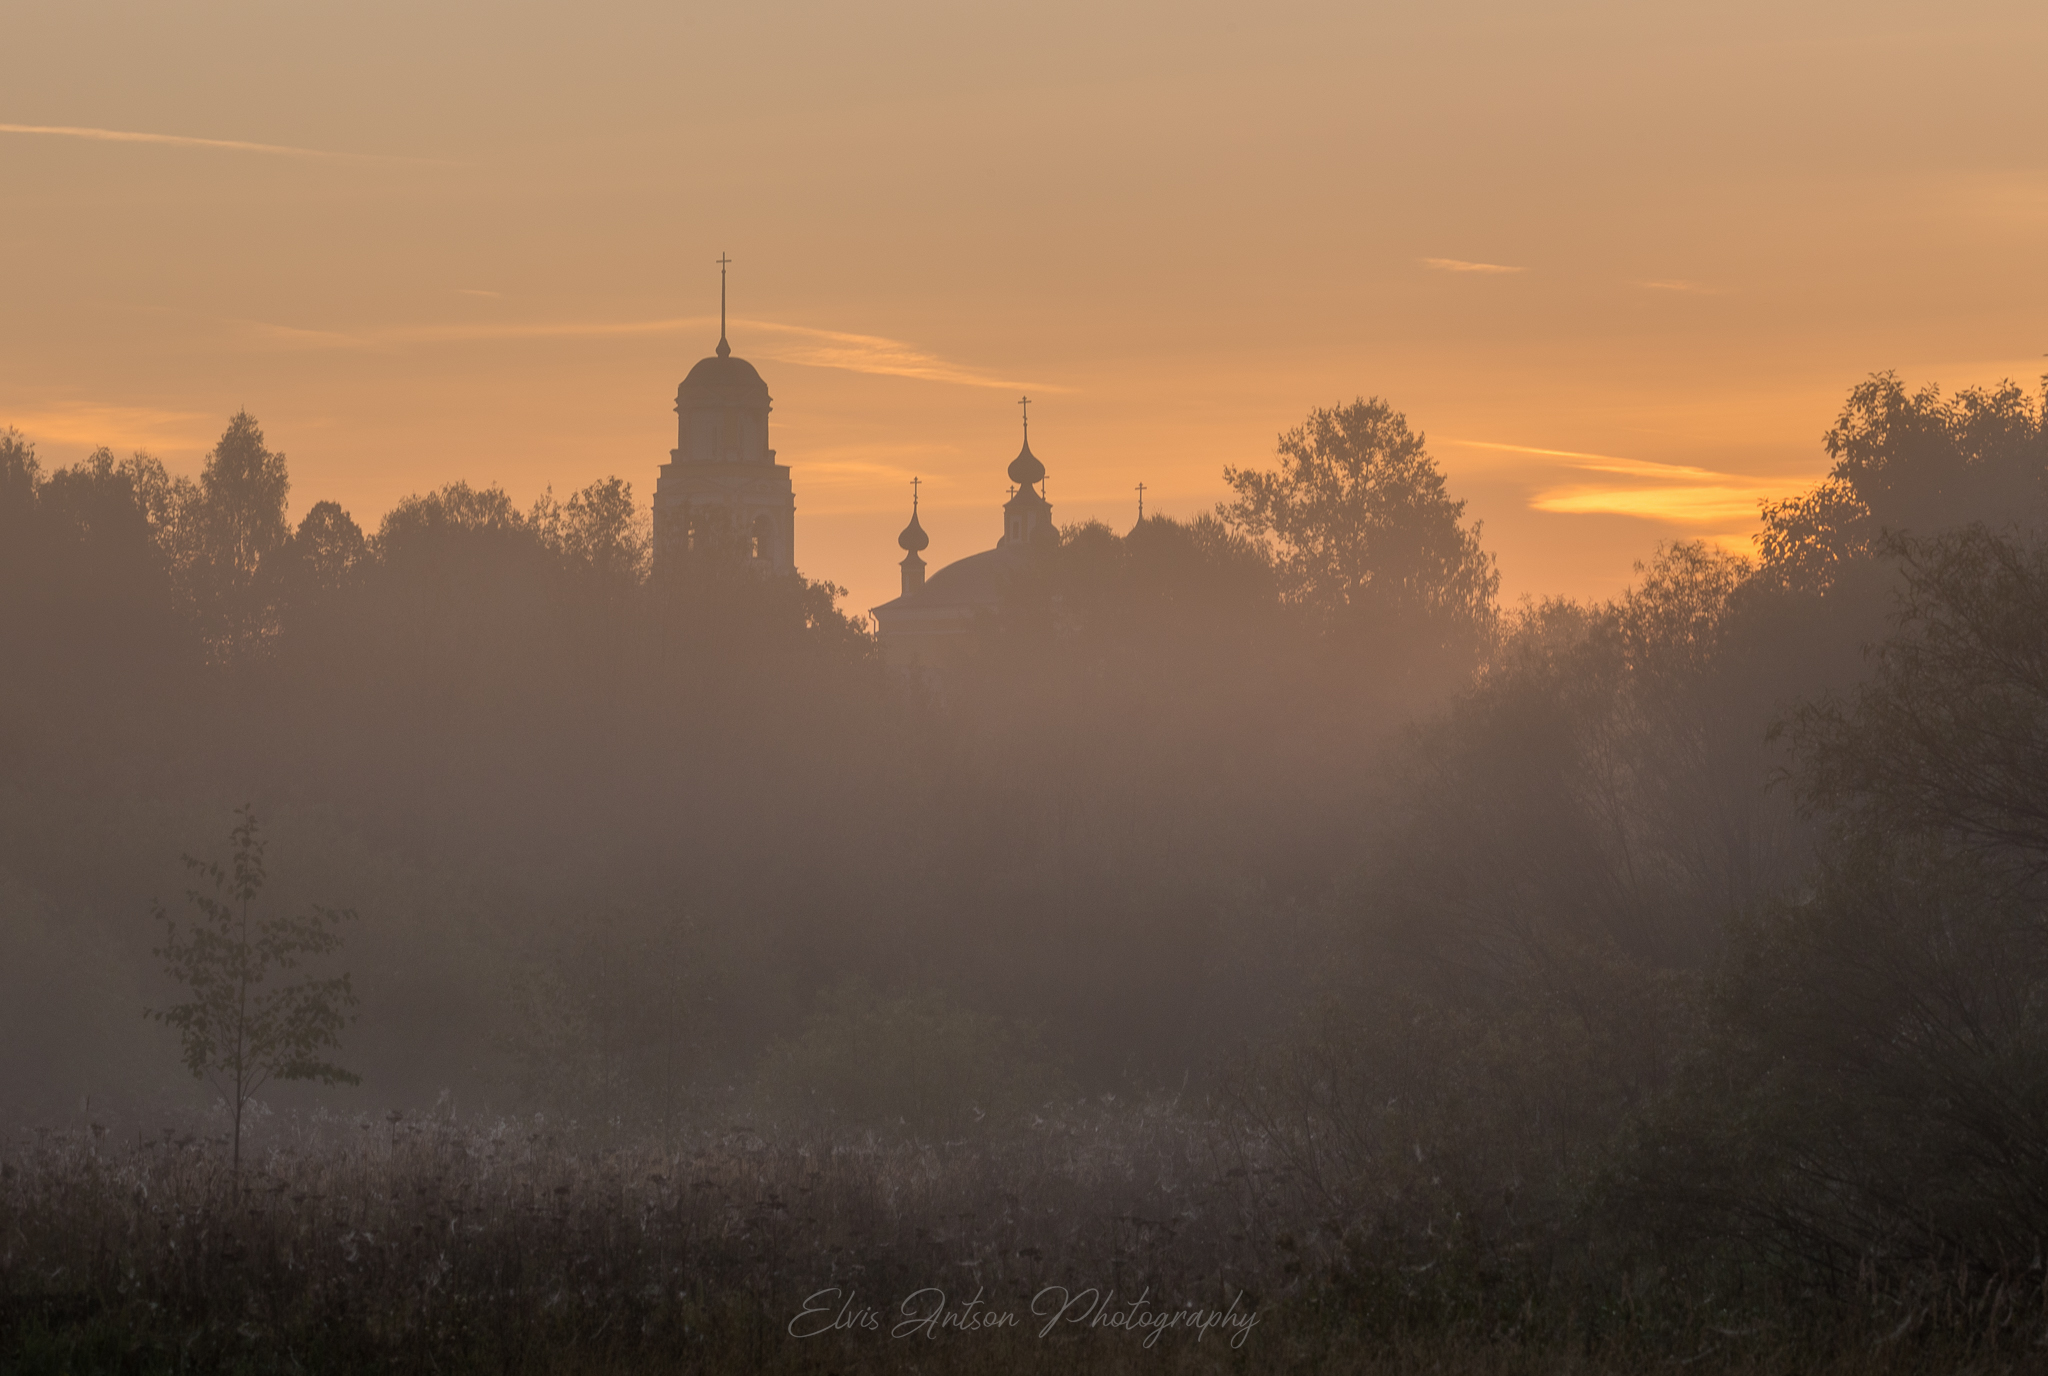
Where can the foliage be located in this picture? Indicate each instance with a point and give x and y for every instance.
(1887, 1061)
(1366, 533)
(328, 551)
(1911, 462)
(1880, 1039)
(240, 1029)
(1950, 734)
(238, 525)
(20, 475)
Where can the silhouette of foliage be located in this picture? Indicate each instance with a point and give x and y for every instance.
(1364, 527)
(241, 1028)
(1914, 462)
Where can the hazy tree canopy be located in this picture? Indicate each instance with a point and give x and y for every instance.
(418, 524)
(1919, 462)
(244, 487)
(1876, 1081)
(329, 549)
(1950, 737)
(1364, 527)
(1673, 618)
(237, 522)
(603, 533)
(90, 571)
(95, 503)
(20, 476)
(1880, 1082)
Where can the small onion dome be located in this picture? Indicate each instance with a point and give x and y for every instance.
(913, 537)
(1025, 469)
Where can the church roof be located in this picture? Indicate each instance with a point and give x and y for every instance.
(723, 380)
(972, 584)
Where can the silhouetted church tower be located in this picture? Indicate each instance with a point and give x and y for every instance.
(722, 482)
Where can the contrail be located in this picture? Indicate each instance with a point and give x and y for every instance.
(1460, 265)
(178, 140)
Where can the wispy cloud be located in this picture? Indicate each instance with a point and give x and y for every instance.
(867, 353)
(291, 337)
(478, 291)
(120, 427)
(781, 343)
(1679, 493)
(185, 141)
(1682, 286)
(1460, 265)
(1706, 504)
(1532, 449)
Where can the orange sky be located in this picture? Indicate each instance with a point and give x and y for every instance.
(1620, 262)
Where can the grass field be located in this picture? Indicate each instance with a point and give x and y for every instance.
(1108, 1236)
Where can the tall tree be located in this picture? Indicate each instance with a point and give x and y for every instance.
(20, 477)
(1366, 532)
(242, 494)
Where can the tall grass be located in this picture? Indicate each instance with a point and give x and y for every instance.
(431, 1244)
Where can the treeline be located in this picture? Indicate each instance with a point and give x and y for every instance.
(1674, 925)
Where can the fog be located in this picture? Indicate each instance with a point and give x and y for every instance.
(1459, 968)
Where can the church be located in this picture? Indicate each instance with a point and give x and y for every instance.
(919, 626)
(722, 488)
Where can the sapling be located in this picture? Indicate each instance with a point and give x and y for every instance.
(240, 1029)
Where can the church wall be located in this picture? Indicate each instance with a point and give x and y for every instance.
(741, 492)
(724, 435)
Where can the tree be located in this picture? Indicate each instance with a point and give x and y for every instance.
(238, 1029)
(241, 522)
(1364, 527)
(20, 477)
(1910, 462)
(602, 532)
(243, 487)
(329, 550)
(1950, 735)
(1878, 1088)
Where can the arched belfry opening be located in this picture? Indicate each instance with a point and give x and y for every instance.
(722, 470)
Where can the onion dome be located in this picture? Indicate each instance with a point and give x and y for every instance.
(913, 537)
(1025, 469)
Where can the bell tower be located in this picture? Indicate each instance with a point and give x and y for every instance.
(721, 489)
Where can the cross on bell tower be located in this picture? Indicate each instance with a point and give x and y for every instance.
(724, 349)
